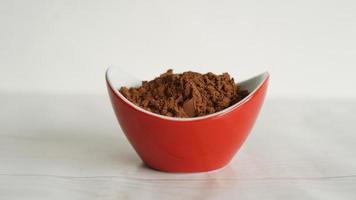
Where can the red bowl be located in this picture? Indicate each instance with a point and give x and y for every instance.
(188, 144)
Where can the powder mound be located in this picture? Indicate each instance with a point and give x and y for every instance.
(189, 94)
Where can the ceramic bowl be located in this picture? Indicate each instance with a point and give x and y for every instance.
(186, 144)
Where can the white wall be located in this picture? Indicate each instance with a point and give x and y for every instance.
(64, 46)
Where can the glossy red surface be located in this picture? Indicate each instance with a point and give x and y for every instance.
(188, 146)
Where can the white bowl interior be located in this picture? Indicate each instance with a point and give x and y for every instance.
(118, 77)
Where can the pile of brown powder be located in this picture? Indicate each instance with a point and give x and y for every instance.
(189, 94)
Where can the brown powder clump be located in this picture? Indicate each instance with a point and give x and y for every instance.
(189, 94)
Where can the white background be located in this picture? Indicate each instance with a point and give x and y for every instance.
(59, 138)
(308, 46)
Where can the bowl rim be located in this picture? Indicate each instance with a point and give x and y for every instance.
(265, 76)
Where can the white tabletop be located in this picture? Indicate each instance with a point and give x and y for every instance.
(71, 147)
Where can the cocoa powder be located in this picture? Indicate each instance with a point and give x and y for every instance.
(189, 94)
